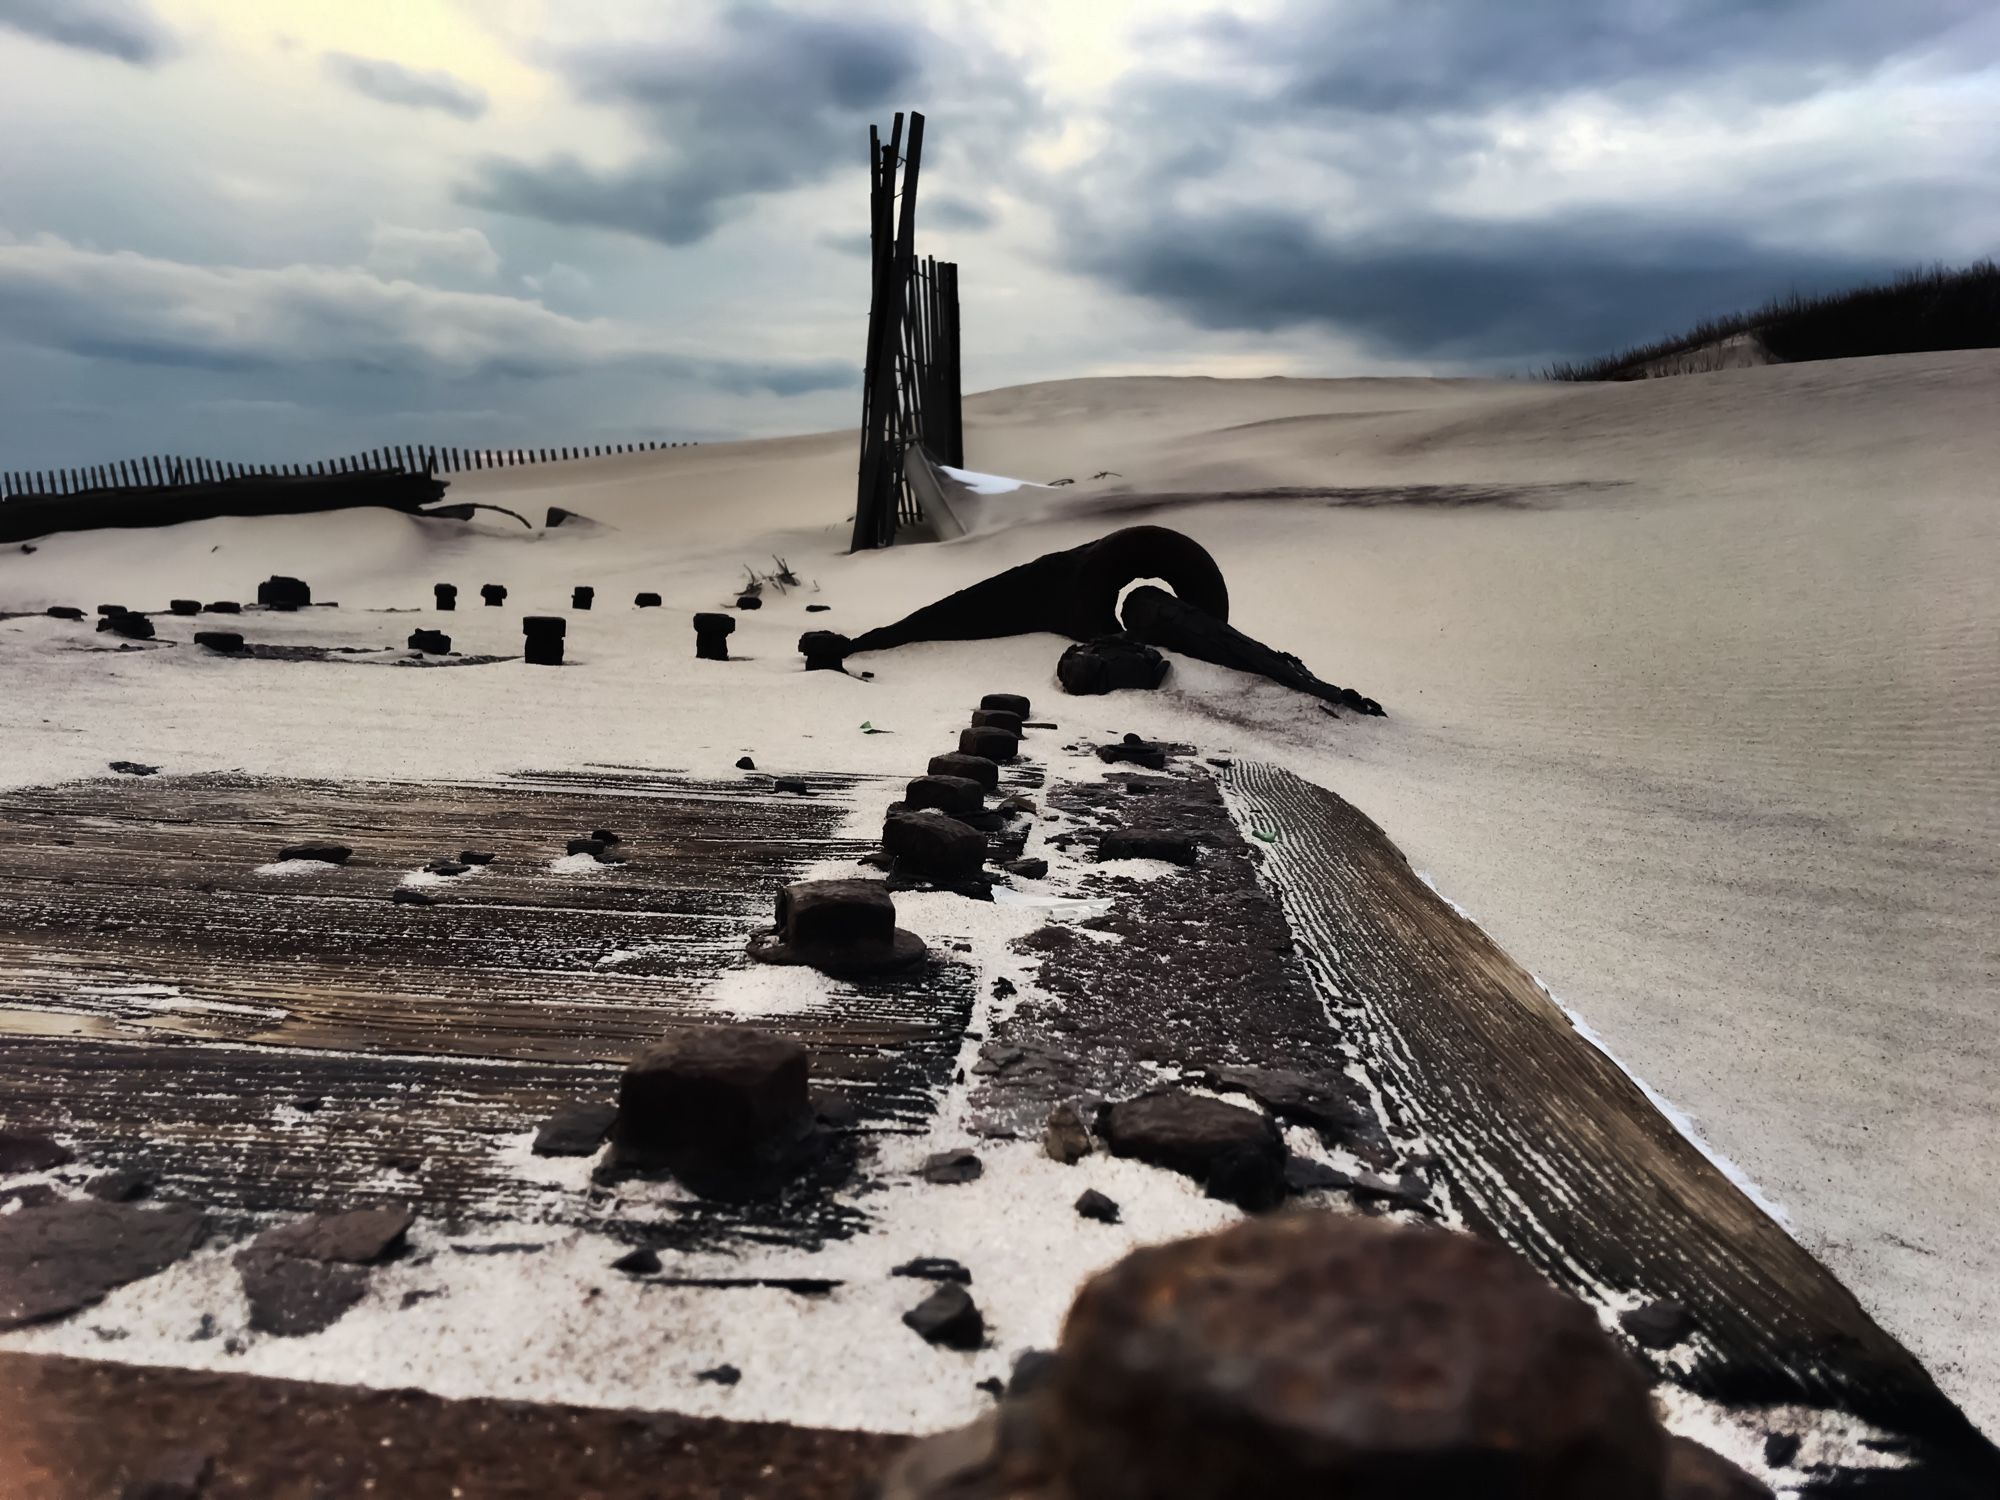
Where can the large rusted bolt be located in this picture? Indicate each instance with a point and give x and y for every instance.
(495, 594)
(719, 1106)
(1012, 703)
(582, 596)
(840, 927)
(446, 595)
(824, 650)
(997, 718)
(711, 636)
(544, 634)
(1312, 1353)
(933, 846)
(994, 744)
(973, 767)
(951, 794)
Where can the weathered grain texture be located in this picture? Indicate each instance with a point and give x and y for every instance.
(267, 1043)
(1550, 1146)
(73, 1429)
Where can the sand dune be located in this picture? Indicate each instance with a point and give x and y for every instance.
(1694, 687)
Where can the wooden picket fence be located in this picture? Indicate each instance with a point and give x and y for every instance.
(910, 395)
(167, 472)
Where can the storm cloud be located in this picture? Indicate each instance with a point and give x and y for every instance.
(764, 101)
(410, 88)
(1442, 181)
(125, 29)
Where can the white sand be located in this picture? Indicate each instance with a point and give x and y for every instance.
(1709, 744)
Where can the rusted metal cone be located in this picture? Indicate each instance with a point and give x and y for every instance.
(973, 767)
(723, 1108)
(711, 636)
(838, 927)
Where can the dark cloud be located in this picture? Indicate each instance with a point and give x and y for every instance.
(1294, 178)
(140, 310)
(411, 88)
(1464, 290)
(1390, 56)
(125, 29)
(765, 102)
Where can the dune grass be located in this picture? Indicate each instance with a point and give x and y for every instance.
(1937, 308)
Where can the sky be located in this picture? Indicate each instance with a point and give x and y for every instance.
(286, 229)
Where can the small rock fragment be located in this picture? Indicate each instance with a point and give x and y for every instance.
(222, 642)
(133, 768)
(327, 854)
(1033, 868)
(124, 1186)
(356, 1236)
(289, 1296)
(406, 895)
(106, 611)
(1065, 1138)
(1657, 1325)
(949, 1317)
(1094, 1205)
(643, 1261)
(1148, 843)
(1780, 1448)
(63, 612)
(951, 1167)
(720, 1375)
(132, 627)
(745, 763)
(645, 601)
(58, 1257)
(1234, 1150)
(796, 785)
(818, 609)
(223, 607)
(749, 601)
(184, 606)
(475, 857)
(575, 1129)
(592, 847)
(934, 1268)
(446, 867)
(30, 1151)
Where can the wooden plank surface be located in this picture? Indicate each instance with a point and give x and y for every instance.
(265, 1042)
(1551, 1147)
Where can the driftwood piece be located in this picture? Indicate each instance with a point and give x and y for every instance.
(25, 517)
(1161, 619)
(1073, 593)
(1548, 1145)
